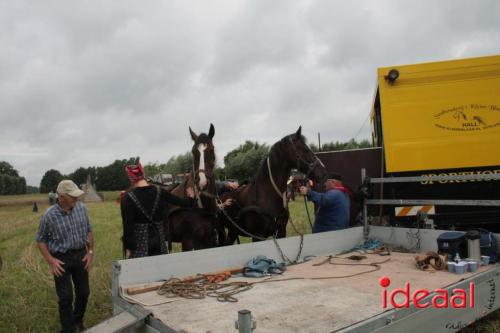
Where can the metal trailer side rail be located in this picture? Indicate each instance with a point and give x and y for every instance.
(365, 179)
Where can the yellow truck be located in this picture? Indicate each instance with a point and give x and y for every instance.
(439, 116)
(434, 119)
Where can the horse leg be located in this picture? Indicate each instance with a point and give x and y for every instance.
(187, 244)
(281, 232)
(232, 235)
(281, 229)
(167, 229)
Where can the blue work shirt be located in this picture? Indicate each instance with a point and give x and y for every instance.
(333, 210)
(62, 231)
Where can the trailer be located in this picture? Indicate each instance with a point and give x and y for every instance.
(304, 304)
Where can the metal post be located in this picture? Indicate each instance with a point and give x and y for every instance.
(365, 209)
(245, 324)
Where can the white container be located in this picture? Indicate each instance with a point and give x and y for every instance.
(485, 260)
(461, 267)
(451, 266)
(472, 266)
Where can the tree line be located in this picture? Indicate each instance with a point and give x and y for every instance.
(10, 181)
(241, 163)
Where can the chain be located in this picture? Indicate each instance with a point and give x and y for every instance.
(282, 254)
(414, 240)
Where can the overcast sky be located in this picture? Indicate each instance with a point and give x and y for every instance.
(83, 83)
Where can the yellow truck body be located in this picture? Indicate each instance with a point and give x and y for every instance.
(440, 115)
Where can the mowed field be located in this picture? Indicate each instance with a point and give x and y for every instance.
(27, 297)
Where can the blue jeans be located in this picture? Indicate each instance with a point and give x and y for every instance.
(74, 271)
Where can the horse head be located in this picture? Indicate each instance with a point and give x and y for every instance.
(302, 157)
(203, 157)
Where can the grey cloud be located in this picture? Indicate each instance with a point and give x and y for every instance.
(85, 83)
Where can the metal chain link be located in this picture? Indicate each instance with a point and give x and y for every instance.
(285, 259)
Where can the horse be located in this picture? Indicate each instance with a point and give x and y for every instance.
(259, 209)
(197, 228)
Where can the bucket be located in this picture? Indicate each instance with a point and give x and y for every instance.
(461, 267)
(472, 266)
(485, 260)
(451, 266)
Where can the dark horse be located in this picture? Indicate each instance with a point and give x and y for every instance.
(197, 228)
(259, 209)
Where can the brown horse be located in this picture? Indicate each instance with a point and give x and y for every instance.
(197, 228)
(259, 209)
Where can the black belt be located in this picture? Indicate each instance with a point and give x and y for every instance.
(73, 251)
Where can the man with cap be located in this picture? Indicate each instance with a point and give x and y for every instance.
(142, 209)
(65, 240)
(333, 205)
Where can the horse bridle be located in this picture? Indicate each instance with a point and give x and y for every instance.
(310, 165)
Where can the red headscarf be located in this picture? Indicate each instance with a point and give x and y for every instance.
(134, 172)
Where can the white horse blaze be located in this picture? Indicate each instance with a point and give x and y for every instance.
(201, 166)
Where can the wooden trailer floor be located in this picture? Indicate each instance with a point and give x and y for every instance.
(323, 300)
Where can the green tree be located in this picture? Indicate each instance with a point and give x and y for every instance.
(243, 148)
(244, 162)
(7, 184)
(152, 169)
(50, 180)
(180, 164)
(21, 185)
(113, 177)
(32, 189)
(7, 169)
(10, 181)
(335, 146)
(79, 176)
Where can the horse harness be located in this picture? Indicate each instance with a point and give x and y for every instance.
(144, 231)
(310, 165)
(276, 218)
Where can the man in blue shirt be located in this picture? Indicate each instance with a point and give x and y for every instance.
(65, 240)
(333, 205)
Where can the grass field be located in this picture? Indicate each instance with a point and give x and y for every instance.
(27, 298)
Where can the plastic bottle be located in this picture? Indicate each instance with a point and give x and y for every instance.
(457, 258)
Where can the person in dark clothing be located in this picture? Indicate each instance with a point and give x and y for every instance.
(142, 210)
(333, 205)
(65, 240)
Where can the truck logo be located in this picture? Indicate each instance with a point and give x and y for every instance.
(468, 117)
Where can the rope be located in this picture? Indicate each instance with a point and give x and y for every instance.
(375, 265)
(225, 292)
(272, 180)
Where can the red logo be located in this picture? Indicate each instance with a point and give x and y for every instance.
(441, 299)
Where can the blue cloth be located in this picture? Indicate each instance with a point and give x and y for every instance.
(333, 210)
(63, 232)
(262, 266)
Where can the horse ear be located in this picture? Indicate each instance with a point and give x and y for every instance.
(211, 132)
(193, 134)
(298, 134)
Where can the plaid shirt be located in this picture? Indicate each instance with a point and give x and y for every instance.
(63, 232)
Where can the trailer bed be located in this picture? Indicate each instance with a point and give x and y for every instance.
(316, 298)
